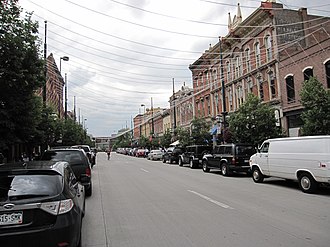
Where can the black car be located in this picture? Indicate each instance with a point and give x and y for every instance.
(78, 162)
(193, 155)
(41, 204)
(91, 155)
(172, 154)
(229, 157)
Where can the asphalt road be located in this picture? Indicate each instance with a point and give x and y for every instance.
(142, 203)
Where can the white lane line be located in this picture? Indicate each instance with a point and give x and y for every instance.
(211, 200)
(144, 170)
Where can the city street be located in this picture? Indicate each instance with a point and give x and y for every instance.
(142, 203)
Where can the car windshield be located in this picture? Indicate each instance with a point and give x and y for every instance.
(18, 187)
(245, 150)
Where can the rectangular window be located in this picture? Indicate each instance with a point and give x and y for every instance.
(272, 85)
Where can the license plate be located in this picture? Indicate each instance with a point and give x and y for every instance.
(246, 161)
(11, 219)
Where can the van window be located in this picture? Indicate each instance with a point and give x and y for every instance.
(264, 148)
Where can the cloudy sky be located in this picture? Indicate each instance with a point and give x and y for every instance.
(125, 52)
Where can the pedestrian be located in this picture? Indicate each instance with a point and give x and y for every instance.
(109, 152)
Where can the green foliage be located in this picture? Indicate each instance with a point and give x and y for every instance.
(253, 122)
(21, 74)
(199, 134)
(316, 101)
(184, 137)
(165, 140)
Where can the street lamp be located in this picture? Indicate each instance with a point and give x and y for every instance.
(144, 120)
(64, 58)
(84, 123)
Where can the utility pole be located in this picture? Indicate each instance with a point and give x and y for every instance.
(44, 94)
(152, 119)
(174, 111)
(66, 98)
(224, 113)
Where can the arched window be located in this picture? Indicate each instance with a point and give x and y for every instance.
(257, 51)
(247, 60)
(268, 45)
(291, 96)
(308, 73)
(327, 72)
(228, 71)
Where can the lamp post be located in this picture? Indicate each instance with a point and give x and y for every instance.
(144, 120)
(65, 58)
(224, 113)
(84, 123)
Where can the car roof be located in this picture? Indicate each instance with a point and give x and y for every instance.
(42, 167)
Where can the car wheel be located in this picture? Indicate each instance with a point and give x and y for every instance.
(191, 164)
(257, 176)
(205, 167)
(307, 183)
(225, 170)
(89, 191)
(180, 162)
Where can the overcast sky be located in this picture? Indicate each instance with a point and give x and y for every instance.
(125, 52)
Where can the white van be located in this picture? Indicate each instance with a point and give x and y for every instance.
(306, 159)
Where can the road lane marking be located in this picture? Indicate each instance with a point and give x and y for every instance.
(144, 170)
(211, 200)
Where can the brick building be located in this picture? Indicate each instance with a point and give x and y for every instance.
(254, 57)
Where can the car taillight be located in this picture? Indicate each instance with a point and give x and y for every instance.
(58, 207)
(233, 161)
(88, 172)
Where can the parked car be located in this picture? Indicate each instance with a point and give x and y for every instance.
(303, 159)
(78, 162)
(193, 155)
(155, 155)
(228, 158)
(41, 204)
(140, 153)
(91, 156)
(172, 154)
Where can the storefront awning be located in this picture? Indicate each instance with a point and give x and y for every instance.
(175, 143)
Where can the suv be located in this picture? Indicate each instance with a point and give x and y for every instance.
(193, 155)
(41, 204)
(228, 158)
(172, 154)
(91, 155)
(78, 162)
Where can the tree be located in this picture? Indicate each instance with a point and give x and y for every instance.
(184, 137)
(21, 74)
(200, 132)
(165, 140)
(253, 122)
(316, 101)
